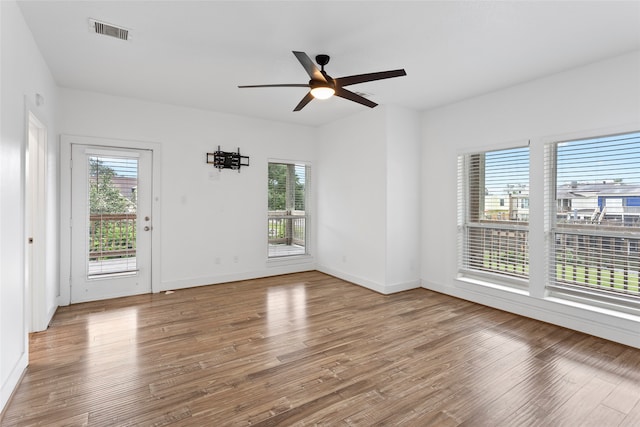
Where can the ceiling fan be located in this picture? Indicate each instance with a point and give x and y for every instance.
(323, 86)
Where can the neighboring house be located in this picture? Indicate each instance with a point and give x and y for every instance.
(611, 201)
(512, 204)
(127, 185)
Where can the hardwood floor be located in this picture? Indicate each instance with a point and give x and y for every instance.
(310, 349)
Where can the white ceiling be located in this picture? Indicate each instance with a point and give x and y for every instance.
(195, 53)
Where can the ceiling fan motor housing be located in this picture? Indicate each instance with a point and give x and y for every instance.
(319, 83)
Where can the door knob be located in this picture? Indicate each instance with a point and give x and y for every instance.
(147, 228)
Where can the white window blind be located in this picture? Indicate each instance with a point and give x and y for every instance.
(595, 218)
(112, 228)
(287, 209)
(493, 214)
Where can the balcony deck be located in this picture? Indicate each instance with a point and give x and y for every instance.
(286, 250)
(112, 266)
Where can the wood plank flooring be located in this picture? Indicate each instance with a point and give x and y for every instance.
(310, 349)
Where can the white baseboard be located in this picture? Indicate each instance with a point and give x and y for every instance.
(400, 287)
(275, 270)
(50, 314)
(369, 284)
(13, 380)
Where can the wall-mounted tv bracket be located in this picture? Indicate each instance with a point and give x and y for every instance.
(227, 160)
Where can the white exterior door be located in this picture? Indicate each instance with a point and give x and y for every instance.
(111, 227)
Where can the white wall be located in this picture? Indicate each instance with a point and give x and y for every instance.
(351, 198)
(368, 199)
(403, 199)
(24, 73)
(205, 214)
(597, 99)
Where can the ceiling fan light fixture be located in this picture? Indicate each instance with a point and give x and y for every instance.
(322, 92)
(323, 86)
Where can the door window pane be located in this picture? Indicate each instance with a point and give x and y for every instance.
(113, 183)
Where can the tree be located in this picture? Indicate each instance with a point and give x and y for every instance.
(104, 196)
(279, 174)
(277, 186)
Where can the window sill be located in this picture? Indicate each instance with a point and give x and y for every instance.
(289, 260)
(593, 306)
(513, 285)
(596, 306)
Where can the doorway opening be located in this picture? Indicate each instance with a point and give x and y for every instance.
(36, 220)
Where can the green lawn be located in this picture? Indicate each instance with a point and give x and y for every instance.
(504, 263)
(606, 279)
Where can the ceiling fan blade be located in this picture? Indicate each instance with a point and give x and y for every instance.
(309, 66)
(308, 97)
(346, 94)
(278, 85)
(369, 77)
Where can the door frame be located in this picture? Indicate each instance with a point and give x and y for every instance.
(36, 211)
(66, 141)
(136, 278)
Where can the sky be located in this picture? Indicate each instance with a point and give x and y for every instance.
(127, 167)
(506, 167)
(600, 159)
(609, 158)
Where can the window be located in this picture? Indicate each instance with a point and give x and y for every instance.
(595, 220)
(287, 223)
(493, 214)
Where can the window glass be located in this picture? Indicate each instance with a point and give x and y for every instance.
(494, 213)
(287, 209)
(595, 222)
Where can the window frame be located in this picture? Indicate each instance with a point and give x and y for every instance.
(467, 224)
(582, 294)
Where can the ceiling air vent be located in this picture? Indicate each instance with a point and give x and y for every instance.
(108, 30)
